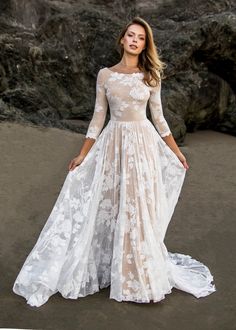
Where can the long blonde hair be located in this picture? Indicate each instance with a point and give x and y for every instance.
(149, 60)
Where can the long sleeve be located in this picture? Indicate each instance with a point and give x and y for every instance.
(100, 109)
(156, 110)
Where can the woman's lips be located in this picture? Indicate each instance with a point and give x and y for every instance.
(133, 46)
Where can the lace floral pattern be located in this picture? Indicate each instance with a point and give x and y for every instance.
(108, 224)
(127, 97)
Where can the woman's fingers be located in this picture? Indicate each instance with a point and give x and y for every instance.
(72, 165)
(75, 162)
(183, 160)
(186, 165)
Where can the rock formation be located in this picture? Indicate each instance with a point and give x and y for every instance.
(51, 51)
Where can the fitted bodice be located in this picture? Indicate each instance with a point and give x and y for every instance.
(127, 96)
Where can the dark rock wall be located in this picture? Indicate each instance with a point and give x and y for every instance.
(50, 52)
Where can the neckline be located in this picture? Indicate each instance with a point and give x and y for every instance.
(140, 72)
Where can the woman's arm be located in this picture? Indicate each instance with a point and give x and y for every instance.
(170, 141)
(161, 124)
(87, 145)
(97, 122)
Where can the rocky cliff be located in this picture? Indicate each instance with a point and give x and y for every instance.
(50, 52)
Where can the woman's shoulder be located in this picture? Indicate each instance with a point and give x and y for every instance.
(102, 75)
(103, 70)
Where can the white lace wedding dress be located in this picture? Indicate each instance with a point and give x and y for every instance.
(108, 224)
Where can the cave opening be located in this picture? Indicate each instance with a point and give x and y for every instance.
(219, 64)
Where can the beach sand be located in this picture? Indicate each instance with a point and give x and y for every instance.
(34, 163)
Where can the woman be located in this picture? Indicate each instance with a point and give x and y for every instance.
(108, 224)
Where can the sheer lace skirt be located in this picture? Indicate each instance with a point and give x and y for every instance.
(108, 225)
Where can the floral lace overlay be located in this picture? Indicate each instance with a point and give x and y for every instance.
(108, 224)
(127, 96)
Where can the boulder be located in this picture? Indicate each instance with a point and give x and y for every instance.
(51, 51)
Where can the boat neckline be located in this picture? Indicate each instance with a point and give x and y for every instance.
(140, 72)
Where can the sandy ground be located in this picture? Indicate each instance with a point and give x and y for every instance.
(33, 167)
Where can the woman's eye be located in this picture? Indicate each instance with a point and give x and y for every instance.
(130, 35)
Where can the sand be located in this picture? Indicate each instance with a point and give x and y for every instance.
(34, 163)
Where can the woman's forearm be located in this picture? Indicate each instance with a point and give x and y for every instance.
(87, 145)
(170, 141)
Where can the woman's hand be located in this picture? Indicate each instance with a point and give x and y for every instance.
(182, 159)
(170, 141)
(75, 162)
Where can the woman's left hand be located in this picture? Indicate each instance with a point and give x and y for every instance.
(183, 160)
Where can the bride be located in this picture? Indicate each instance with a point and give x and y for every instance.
(108, 224)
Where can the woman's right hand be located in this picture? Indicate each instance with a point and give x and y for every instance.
(75, 162)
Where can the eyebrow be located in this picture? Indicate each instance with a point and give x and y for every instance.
(141, 34)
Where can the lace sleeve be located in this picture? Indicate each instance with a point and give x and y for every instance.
(156, 110)
(97, 122)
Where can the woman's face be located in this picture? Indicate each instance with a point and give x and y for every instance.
(134, 39)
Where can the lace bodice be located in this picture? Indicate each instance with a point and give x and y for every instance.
(127, 96)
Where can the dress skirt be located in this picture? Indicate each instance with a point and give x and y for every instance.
(108, 225)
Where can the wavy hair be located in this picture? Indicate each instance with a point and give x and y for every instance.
(149, 61)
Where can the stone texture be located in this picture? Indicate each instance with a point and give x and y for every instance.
(51, 51)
